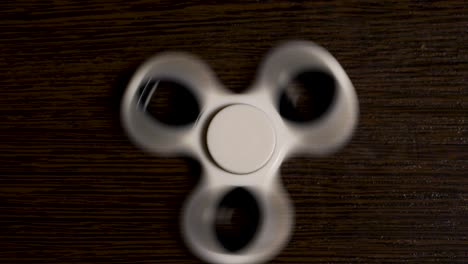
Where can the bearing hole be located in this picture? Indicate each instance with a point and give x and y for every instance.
(169, 102)
(307, 97)
(237, 219)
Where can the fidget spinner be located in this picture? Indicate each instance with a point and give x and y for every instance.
(240, 140)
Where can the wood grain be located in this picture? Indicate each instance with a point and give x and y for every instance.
(74, 190)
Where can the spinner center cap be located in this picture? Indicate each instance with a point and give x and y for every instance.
(241, 138)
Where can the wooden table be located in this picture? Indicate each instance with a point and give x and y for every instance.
(73, 189)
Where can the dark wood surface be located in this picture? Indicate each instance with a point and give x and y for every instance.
(73, 189)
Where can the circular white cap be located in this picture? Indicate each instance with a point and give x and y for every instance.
(241, 138)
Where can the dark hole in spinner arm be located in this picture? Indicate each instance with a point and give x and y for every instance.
(307, 97)
(237, 219)
(169, 102)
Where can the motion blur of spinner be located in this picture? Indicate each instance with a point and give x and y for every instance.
(242, 139)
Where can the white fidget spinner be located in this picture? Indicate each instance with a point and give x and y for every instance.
(240, 140)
